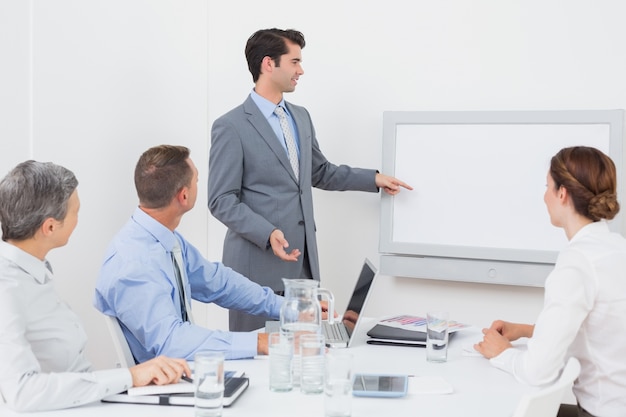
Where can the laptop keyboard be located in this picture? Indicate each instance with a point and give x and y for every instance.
(335, 331)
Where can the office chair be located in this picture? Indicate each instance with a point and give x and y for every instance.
(546, 401)
(125, 357)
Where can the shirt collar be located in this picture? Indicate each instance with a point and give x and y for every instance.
(600, 226)
(265, 106)
(40, 270)
(162, 234)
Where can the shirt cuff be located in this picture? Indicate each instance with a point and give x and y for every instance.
(505, 360)
(244, 345)
(113, 381)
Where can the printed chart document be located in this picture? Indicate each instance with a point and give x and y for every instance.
(182, 393)
(405, 330)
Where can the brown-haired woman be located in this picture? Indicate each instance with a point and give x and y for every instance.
(584, 313)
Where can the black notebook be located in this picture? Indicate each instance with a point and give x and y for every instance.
(382, 334)
(233, 388)
(387, 335)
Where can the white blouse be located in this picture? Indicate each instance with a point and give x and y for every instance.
(42, 362)
(584, 316)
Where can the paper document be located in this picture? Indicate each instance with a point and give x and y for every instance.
(405, 330)
(178, 388)
(417, 323)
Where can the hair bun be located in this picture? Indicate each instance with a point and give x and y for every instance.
(603, 206)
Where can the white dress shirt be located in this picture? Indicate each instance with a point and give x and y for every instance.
(584, 316)
(42, 362)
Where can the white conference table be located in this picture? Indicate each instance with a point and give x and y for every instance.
(479, 388)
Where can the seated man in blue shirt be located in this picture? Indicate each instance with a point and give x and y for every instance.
(139, 279)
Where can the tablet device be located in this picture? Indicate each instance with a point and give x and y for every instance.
(380, 385)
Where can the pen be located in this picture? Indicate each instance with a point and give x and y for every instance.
(186, 378)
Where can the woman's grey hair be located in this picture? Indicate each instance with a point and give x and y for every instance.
(31, 193)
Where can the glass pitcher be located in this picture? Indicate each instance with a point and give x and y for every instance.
(301, 310)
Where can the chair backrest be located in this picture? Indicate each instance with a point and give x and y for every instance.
(546, 401)
(125, 357)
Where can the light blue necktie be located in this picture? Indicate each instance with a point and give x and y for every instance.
(290, 141)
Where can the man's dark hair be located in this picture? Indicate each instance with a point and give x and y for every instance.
(272, 43)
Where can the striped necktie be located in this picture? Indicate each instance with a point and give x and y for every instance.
(179, 271)
(289, 140)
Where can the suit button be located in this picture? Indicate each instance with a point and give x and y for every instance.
(301, 222)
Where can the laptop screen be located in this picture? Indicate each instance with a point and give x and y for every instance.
(359, 298)
(362, 287)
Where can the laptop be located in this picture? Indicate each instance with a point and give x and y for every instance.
(338, 334)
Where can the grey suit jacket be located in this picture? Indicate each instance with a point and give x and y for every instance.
(252, 190)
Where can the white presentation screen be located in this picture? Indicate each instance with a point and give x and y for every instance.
(479, 180)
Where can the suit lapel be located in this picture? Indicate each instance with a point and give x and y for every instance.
(258, 121)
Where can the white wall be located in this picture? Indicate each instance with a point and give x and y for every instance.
(102, 82)
(91, 84)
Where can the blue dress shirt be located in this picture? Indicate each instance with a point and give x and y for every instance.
(137, 284)
(267, 109)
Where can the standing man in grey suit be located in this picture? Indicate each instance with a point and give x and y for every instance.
(263, 163)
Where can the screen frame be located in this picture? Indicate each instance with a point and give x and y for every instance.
(468, 262)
